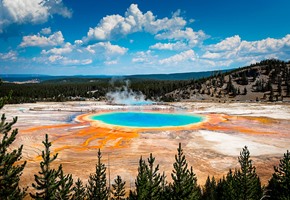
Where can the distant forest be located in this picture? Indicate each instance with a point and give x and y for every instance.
(268, 80)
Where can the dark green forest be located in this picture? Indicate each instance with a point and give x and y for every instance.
(79, 89)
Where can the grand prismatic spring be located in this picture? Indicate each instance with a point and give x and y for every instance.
(212, 138)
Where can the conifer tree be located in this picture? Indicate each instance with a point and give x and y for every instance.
(248, 182)
(46, 182)
(184, 184)
(118, 189)
(10, 172)
(79, 191)
(148, 182)
(141, 181)
(64, 192)
(279, 184)
(165, 188)
(96, 188)
(154, 178)
(229, 187)
(209, 189)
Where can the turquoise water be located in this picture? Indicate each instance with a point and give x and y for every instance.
(147, 119)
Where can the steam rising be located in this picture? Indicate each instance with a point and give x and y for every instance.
(125, 95)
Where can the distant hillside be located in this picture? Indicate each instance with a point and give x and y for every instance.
(86, 78)
(175, 76)
(268, 80)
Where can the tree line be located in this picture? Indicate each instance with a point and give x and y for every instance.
(52, 183)
(80, 89)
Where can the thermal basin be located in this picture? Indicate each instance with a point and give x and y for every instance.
(147, 119)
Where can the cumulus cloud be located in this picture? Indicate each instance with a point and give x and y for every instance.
(58, 59)
(169, 46)
(42, 41)
(11, 55)
(111, 62)
(46, 31)
(113, 26)
(30, 11)
(234, 48)
(188, 55)
(188, 35)
(144, 57)
(227, 44)
(107, 49)
(67, 48)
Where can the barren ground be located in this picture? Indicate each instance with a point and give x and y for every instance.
(211, 147)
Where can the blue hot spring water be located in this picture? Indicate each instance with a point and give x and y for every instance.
(147, 119)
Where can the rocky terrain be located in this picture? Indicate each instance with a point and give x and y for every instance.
(268, 80)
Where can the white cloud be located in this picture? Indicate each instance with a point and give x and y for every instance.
(54, 58)
(227, 44)
(67, 61)
(188, 55)
(170, 46)
(46, 31)
(58, 59)
(144, 57)
(235, 48)
(107, 49)
(188, 35)
(42, 41)
(67, 48)
(111, 62)
(241, 52)
(113, 26)
(30, 11)
(78, 42)
(11, 55)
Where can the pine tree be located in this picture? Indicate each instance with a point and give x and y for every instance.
(154, 179)
(79, 191)
(279, 184)
(184, 184)
(118, 189)
(229, 187)
(209, 189)
(47, 183)
(148, 182)
(165, 188)
(248, 182)
(141, 181)
(96, 188)
(64, 192)
(10, 172)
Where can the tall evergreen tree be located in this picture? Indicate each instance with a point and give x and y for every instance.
(64, 192)
(141, 181)
(248, 182)
(209, 189)
(79, 191)
(46, 182)
(279, 184)
(10, 172)
(97, 183)
(118, 189)
(148, 182)
(230, 187)
(165, 189)
(154, 179)
(184, 184)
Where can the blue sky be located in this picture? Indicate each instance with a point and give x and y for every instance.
(116, 37)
